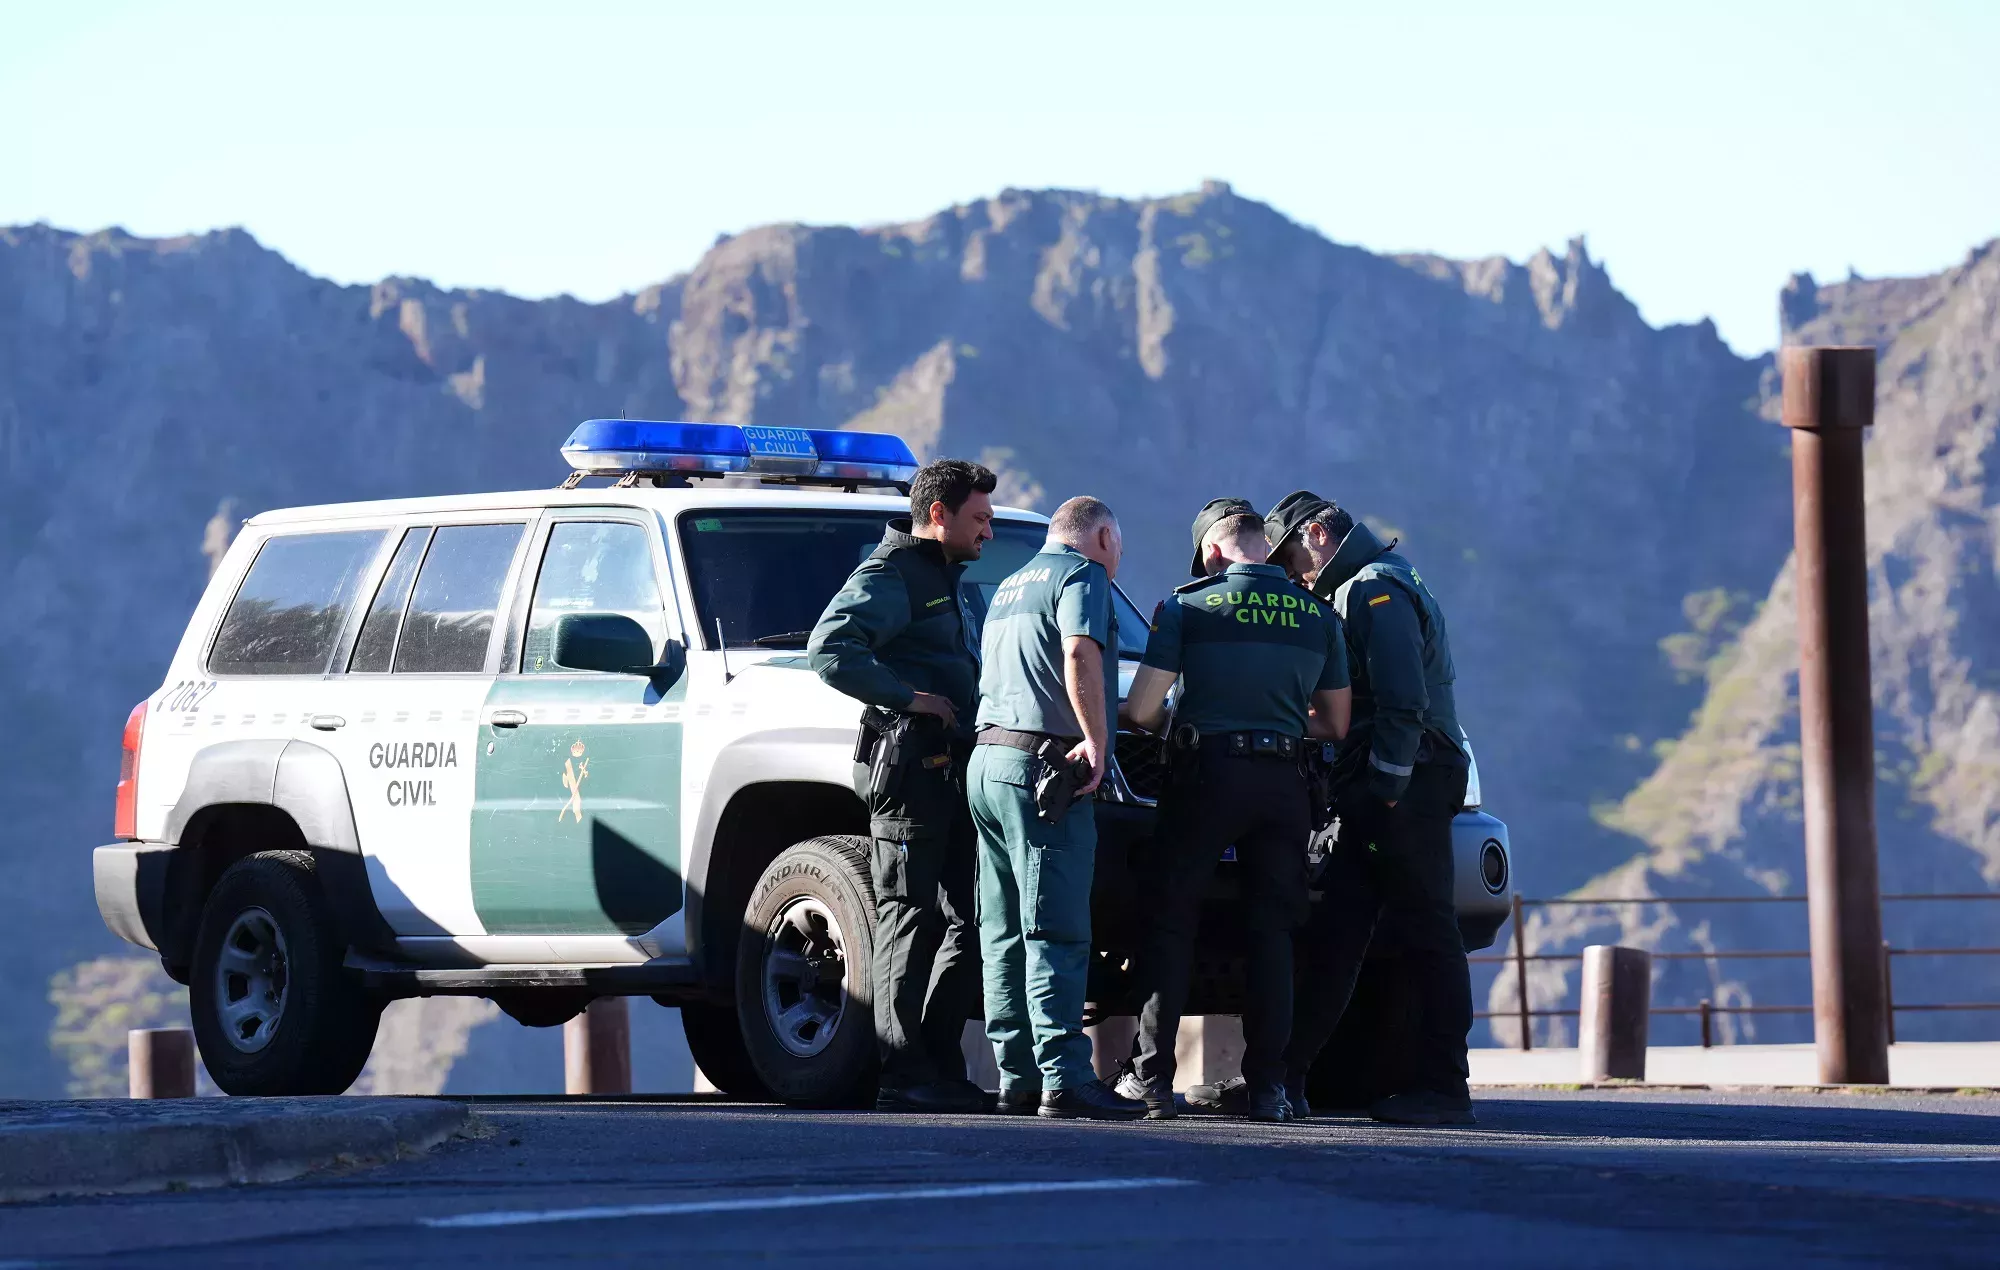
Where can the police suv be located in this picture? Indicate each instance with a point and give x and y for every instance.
(549, 746)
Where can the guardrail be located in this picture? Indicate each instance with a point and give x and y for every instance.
(1520, 957)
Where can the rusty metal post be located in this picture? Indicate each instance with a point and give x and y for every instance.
(597, 1049)
(1888, 992)
(1707, 1024)
(1617, 1003)
(1521, 975)
(159, 1062)
(1829, 399)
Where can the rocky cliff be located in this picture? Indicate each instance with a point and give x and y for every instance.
(1721, 816)
(1575, 485)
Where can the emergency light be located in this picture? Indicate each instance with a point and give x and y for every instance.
(633, 448)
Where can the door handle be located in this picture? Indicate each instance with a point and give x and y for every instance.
(326, 722)
(507, 718)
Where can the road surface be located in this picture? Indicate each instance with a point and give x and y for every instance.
(1545, 1179)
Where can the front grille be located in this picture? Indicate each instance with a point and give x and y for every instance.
(1142, 761)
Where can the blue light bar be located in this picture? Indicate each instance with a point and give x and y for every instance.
(648, 445)
(863, 456)
(608, 447)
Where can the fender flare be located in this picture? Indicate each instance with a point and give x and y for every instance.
(302, 780)
(802, 755)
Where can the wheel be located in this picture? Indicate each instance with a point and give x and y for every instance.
(802, 994)
(275, 1012)
(716, 1044)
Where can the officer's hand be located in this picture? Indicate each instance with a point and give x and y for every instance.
(1085, 752)
(932, 703)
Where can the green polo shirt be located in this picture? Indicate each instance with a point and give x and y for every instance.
(1057, 594)
(1250, 647)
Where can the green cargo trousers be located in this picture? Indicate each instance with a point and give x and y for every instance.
(1034, 923)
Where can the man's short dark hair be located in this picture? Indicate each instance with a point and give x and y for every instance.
(1336, 521)
(947, 481)
(1235, 527)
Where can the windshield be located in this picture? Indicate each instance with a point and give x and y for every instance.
(766, 575)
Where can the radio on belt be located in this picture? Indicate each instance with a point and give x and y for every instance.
(663, 451)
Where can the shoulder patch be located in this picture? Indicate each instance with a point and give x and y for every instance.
(1158, 609)
(1196, 585)
(1380, 599)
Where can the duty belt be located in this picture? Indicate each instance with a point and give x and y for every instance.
(1031, 742)
(1258, 743)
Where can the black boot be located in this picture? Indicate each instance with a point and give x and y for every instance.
(1020, 1102)
(1424, 1108)
(1268, 1104)
(1095, 1101)
(943, 1097)
(1295, 1094)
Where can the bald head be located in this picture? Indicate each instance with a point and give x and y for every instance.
(1087, 524)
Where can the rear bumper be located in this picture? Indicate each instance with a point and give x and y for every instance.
(130, 879)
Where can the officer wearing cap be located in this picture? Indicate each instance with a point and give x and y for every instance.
(1261, 665)
(1401, 779)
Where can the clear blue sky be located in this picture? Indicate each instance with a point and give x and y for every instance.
(1706, 150)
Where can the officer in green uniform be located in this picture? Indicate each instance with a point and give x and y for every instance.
(1048, 696)
(897, 638)
(1402, 776)
(1261, 665)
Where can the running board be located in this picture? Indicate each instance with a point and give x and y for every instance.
(405, 979)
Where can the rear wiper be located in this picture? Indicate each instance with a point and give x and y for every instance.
(790, 639)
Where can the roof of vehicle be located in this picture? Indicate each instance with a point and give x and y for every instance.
(666, 501)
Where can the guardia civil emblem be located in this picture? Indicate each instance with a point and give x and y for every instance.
(576, 769)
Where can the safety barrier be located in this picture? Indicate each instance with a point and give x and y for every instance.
(1706, 1011)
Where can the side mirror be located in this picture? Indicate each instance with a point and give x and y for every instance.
(609, 642)
(672, 665)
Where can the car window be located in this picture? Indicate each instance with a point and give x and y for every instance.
(450, 617)
(289, 612)
(377, 642)
(767, 575)
(592, 567)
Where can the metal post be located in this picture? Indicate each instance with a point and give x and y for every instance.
(597, 1049)
(1707, 1024)
(1521, 976)
(1829, 398)
(1888, 992)
(160, 1062)
(1617, 1002)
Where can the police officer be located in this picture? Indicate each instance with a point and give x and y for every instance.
(1048, 695)
(1261, 665)
(1401, 779)
(897, 638)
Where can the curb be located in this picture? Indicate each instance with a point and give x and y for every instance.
(87, 1149)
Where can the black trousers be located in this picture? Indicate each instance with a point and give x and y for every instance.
(926, 966)
(1399, 859)
(1211, 801)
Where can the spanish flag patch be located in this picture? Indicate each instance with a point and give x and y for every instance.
(1380, 599)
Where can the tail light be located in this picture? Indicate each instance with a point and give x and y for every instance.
(125, 824)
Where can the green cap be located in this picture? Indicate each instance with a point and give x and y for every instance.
(1217, 511)
(1294, 511)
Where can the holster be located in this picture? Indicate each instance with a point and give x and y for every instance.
(1057, 785)
(1319, 765)
(885, 745)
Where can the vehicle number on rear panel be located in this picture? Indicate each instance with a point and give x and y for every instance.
(186, 696)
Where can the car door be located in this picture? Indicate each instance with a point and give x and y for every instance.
(576, 820)
(402, 715)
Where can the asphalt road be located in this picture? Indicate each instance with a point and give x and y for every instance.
(1622, 1178)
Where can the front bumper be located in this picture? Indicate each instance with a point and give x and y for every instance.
(130, 879)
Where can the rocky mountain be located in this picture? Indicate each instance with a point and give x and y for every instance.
(1577, 486)
(1720, 816)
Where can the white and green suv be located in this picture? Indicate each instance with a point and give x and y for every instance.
(548, 746)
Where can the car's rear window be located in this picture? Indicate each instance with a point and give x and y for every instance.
(288, 613)
(766, 576)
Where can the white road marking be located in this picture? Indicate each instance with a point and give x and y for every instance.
(767, 1202)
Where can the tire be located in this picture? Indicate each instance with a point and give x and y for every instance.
(802, 975)
(275, 1012)
(715, 1042)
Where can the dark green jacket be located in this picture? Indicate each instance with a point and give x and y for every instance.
(1251, 650)
(899, 628)
(1398, 654)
